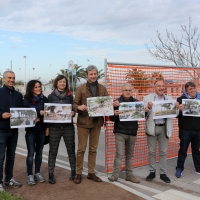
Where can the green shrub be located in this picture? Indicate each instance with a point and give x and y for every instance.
(7, 196)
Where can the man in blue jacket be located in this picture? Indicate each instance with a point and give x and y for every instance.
(10, 98)
(189, 131)
(125, 134)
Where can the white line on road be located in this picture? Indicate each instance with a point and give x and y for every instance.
(175, 195)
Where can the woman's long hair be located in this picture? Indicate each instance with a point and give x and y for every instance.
(58, 78)
(30, 87)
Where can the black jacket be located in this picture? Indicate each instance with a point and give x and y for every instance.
(40, 125)
(188, 123)
(52, 98)
(124, 127)
(9, 98)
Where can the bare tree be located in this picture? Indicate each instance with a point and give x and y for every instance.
(181, 51)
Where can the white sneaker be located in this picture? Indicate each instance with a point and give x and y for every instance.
(13, 183)
(1, 187)
(38, 177)
(197, 172)
(30, 180)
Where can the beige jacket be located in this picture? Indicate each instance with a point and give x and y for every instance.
(150, 125)
(82, 93)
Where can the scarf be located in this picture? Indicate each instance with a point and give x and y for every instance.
(36, 99)
(186, 95)
(60, 95)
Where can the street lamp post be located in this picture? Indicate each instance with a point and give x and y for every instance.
(33, 72)
(29, 77)
(25, 75)
(20, 74)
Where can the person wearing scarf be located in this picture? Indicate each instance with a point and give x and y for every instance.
(61, 95)
(189, 131)
(88, 128)
(35, 136)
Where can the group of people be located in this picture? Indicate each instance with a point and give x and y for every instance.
(89, 128)
(157, 131)
(35, 136)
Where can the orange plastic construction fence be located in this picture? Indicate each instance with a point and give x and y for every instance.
(143, 78)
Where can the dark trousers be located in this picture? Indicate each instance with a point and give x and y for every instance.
(185, 138)
(8, 144)
(55, 135)
(35, 144)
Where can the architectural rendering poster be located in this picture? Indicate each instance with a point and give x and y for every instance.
(57, 113)
(22, 117)
(191, 107)
(131, 111)
(100, 106)
(164, 109)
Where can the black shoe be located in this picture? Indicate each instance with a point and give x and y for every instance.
(52, 179)
(151, 176)
(73, 174)
(165, 178)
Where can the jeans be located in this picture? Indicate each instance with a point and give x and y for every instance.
(83, 134)
(185, 138)
(8, 143)
(122, 140)
(163, 145)
(35, 144)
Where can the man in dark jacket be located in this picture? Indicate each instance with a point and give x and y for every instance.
(10, 98)
(125, 134)
(189, 131)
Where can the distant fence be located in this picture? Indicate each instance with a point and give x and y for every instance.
(142, 77)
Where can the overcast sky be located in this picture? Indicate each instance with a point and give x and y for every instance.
(52, 32)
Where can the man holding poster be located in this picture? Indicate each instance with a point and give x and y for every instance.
(157, 130)
(88, 126)
(10, 98)
(189, 131)
(125, 135)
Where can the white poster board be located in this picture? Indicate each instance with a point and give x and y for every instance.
(191, 107)
(131, 111)
(57, 113)
(100, 106)
(164, 109)
(22, 117)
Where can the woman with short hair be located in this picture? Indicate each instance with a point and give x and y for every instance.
(62, 95)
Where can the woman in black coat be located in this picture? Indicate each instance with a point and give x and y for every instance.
(61, 95)
(35, 136)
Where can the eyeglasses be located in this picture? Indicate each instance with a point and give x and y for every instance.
(127, 90)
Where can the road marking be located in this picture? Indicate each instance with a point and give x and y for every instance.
(175, 195)
(61, 161)
(140, 186)
(197, 181)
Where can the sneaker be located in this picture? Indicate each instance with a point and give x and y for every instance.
(151, 176)
(38, 177)
(13, 183)
(112, 178)
(165, 178)
(1, 187)
(197, 172)
(132, 179)
(30, 180)
(178, 173)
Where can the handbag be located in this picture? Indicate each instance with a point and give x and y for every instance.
(46, 141)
